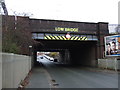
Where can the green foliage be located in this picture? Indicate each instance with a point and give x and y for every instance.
(53, 54)
(16, 40)
(11, 48)
(8, 44)
(14, 48)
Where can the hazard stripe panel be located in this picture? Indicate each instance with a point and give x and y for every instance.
(52, 37)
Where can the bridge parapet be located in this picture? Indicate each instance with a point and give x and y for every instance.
(59, 26)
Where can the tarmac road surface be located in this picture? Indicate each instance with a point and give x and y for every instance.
(54, 75)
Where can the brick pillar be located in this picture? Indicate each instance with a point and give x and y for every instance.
(101, 33)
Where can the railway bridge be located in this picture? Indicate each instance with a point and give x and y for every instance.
(77, 42)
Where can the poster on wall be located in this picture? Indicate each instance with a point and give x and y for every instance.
(112, 45)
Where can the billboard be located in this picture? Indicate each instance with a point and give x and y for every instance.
(112, 45)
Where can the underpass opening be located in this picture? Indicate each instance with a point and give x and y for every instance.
(82, 53)
(50, 56)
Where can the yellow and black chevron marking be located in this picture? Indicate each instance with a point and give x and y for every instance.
(52, 37)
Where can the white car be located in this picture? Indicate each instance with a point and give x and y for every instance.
(51, 59)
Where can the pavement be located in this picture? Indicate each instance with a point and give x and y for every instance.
(38, 78)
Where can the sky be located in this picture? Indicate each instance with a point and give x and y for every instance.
(70, 10)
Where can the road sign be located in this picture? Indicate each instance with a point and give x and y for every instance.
(68, 36)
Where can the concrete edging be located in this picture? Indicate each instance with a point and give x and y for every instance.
(109, 63)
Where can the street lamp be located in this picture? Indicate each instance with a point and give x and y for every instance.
(30, 58)
(15, 20)
(15, 17)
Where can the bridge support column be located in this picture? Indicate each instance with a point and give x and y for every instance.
(67, 56)
(101, 33)
(62, 57)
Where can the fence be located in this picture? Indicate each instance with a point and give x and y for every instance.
(110, 63)
(14, 69)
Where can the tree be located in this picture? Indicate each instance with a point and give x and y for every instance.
(53, 54)
(16, 40)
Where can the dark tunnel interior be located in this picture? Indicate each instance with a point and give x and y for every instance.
(83, 53)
